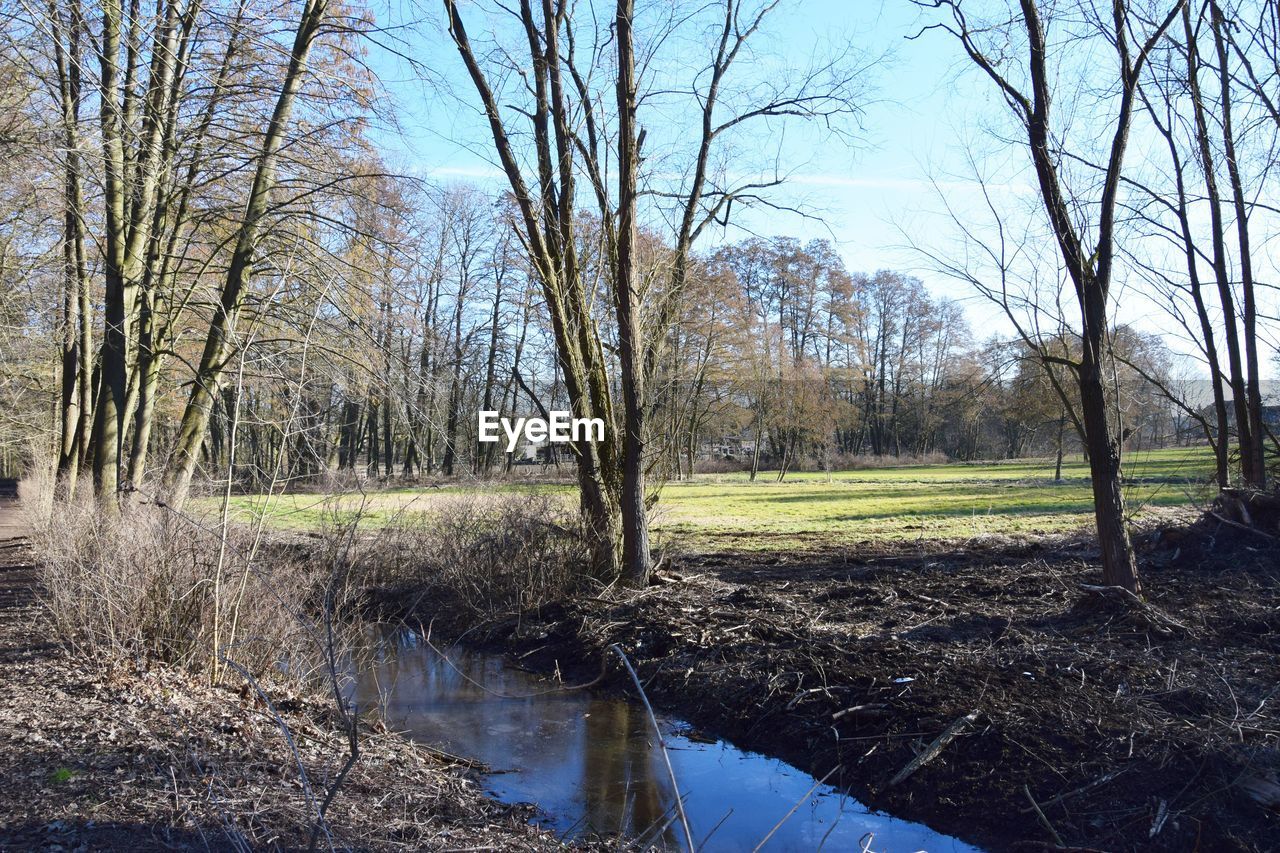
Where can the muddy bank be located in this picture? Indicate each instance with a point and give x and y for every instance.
(140, 757)
(1148, 728)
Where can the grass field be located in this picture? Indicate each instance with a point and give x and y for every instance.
(951, 501)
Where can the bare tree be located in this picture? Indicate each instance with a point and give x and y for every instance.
(574, 135)
(77, 314)
(1088, 255)
(219, 347)
(132, 173)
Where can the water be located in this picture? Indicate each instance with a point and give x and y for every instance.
(592, 764)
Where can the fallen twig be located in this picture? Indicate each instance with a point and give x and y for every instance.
(934, 749)
(787, 816)
(353, 755)
(1101, 780)
(1044, 821)
(1154, 616)
(871, 709)
(1162, 815)
(288, 737)
(675, 787)
(1239, 526)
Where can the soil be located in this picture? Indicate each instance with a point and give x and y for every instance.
(1100, 722)
(103, 755)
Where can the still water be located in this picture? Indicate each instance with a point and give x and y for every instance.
(593, 766)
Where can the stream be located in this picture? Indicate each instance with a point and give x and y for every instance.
(592, 765)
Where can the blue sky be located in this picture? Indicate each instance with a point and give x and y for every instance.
(861, 190)
(926, 109)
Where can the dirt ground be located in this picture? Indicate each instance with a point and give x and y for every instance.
(138, 757)
(1097, 724)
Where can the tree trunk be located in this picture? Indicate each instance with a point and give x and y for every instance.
(219, 342)
(485, 455)
(1253, 461)
(1119, 566)
(1057, 465)
(1218, 240)
(129, 191)
(1221, 440)
(148, 381)
(1089, 268)
(76, 401)
(548, 232)
(636, 560)
(374, 469)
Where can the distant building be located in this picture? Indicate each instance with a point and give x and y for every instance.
(733, 446)
(1270, 417)
(542, 453)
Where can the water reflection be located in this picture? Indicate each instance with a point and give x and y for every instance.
(592, 765)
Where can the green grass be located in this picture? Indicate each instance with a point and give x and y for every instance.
(375, 508)
(951, 501)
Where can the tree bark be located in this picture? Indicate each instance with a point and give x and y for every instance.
(1221, 273)
(548, 231)
(636, 561)
(1253, 461)
(129, 189)
(1089, 269)
(76, 402)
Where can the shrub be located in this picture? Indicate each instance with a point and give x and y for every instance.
(721, 465)
(147, 582)
(851, 462)
(492, 554)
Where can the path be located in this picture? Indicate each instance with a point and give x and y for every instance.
(17, 578)
(12, 525)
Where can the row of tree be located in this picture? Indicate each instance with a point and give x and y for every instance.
(218, 201)
(189, 151)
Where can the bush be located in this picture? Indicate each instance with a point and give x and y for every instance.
(147, 582)
(816, 463)
(721, 465)
(851, 462)
(491, 554)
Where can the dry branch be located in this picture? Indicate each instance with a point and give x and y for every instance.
(675, 787)
(934, 749)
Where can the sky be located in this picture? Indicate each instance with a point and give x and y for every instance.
(874, 196)
(862, 190)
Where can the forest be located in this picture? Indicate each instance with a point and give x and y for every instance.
(1002, 487)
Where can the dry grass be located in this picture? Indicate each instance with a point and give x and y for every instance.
(146, 582)
(140, 756)
(865, 461)
(489, 553)
(203, 649)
